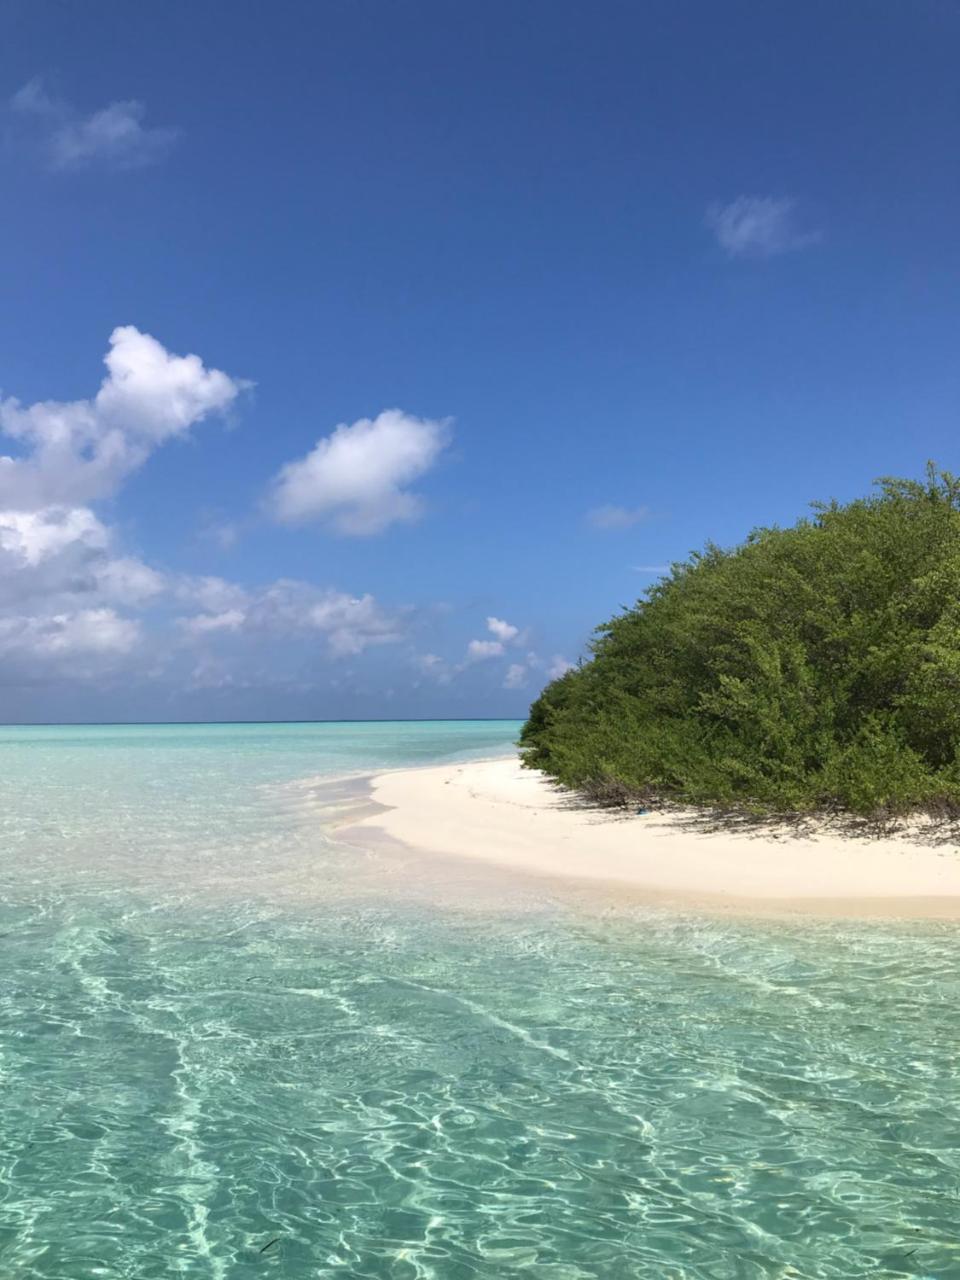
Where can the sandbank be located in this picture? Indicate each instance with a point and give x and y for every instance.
(498, 813)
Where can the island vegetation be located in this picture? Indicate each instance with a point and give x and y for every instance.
(812, 668)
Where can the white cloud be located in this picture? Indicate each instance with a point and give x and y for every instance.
(504, 631)
(516, 676)
(210, 593)
(480, 650)
(63, 556)
(87, 631)
(436, 668)
(348, 624)
(201, 623)
(558, 667)
(505, 634)
(64, 588)
(35, 536)
(353, 623)
(91, 631)
(158, 394)
(113, 137)
(79, 450)
(128, 580)
(59, 585)
(73, 604)
(651, 568)
(613, 517)
(758, 227)
(356, 478)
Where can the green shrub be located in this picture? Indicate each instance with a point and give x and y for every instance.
(812, 667)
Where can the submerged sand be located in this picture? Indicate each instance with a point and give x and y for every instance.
(496, 812)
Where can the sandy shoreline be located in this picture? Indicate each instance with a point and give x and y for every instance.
(496, 813)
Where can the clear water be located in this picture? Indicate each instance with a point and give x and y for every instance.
(232, 1047)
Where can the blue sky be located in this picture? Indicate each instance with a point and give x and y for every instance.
(631, 276)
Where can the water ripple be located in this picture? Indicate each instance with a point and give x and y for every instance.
(231, 1048)
(475, 1098)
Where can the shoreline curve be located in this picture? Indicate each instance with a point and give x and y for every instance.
(495, 812)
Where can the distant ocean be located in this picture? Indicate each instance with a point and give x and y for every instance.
(233, 1046)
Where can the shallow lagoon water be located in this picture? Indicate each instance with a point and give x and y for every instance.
(231, 1047)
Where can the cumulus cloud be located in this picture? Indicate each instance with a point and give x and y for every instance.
(64, 591)
(35, 536)
(614, 517)
(113, 137)
(76, 451)
(64, 554)
(758, 227)
(504, 631)
(128, 580)
(86, 631)
(72, 604)
(480, 650)
(61, 586)
(356, 479)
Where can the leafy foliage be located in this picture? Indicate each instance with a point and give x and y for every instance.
(815, 667)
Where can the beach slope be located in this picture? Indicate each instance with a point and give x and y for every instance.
(501, 814)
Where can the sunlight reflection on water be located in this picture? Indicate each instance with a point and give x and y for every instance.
(206, 1072)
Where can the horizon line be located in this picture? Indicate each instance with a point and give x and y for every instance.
(107, 724)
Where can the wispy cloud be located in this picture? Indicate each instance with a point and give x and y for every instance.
(759, 227)
(614, 517)
(223, 534)
(516, 676)
(651, 568)
(432, 665)
(559, 666)
(349, 624)
(113, 136)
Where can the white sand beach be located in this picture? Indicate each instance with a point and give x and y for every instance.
(498, 813)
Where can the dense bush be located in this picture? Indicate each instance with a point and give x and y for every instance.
(816, 667)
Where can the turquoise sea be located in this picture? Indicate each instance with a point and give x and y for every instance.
(234, 1047)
